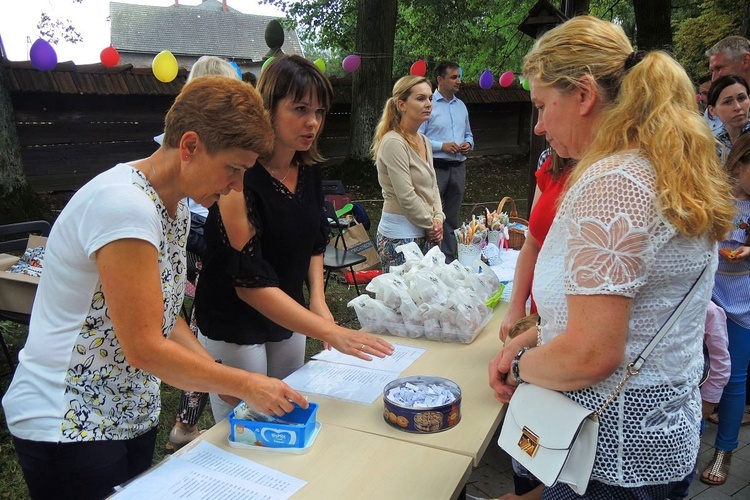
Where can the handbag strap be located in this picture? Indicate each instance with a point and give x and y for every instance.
(634, 367)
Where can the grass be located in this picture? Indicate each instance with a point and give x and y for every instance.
(488, 180)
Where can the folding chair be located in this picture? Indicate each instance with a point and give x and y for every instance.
(339, 258)
(333, 191)
(12, 245)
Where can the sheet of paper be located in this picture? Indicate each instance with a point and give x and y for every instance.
(350, 383)
(506, 269)
(403, 356)
(208, 472)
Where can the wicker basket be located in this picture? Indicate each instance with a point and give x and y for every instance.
(516, 236)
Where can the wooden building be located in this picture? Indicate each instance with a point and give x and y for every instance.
(77, 121)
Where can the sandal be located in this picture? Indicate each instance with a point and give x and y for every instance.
(179, 437)
(714, 418)
(718, 467)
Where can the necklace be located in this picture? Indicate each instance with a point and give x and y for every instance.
(288, 169)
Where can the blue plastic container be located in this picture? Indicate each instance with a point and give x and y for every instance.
(296, 434)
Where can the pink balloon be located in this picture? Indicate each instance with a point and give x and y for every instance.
(351, 63)
(506, 79)
(485, 79)
(43, 56)
(419, 68)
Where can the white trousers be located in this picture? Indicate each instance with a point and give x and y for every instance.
(275, 359)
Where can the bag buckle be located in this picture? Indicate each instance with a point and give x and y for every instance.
(529, 442)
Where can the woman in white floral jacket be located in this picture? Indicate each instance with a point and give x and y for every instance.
(84, 405)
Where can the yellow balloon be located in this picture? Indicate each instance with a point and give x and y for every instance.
(165, 66)
(321, 64)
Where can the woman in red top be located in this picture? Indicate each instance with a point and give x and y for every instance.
(550, 181)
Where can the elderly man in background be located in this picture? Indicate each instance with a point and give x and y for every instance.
(730, 56)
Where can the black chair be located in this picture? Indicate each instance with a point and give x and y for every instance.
(17, 244)
(333, 187)
(339, 258)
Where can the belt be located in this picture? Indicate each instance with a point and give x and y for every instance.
(444, 164)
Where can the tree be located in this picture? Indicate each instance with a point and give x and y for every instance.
(371, 86)
(652, 19)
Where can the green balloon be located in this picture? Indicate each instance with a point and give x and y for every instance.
(321, 64)
(526, 85)
(268, 61)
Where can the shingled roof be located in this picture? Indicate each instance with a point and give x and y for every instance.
(193, 31)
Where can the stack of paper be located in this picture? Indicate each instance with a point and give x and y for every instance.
(340, 376)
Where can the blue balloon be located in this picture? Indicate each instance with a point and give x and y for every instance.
(486, 79)
(460, 72)
(237, 69)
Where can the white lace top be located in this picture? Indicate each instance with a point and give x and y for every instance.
(610, 237)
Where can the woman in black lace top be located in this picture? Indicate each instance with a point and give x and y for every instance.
(266, 242)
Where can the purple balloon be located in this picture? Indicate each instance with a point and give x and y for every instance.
(486, 79)
(351, 63)
(43, 56)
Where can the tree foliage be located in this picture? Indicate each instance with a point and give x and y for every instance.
(478, 34)
(52, 30)
(697, 33)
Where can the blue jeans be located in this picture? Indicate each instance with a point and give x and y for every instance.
(732, 404)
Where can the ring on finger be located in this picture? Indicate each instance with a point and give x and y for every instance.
(362, 348)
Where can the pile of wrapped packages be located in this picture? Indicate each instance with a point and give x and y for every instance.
(425, 297)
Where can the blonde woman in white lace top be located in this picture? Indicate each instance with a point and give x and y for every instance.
(638, 223)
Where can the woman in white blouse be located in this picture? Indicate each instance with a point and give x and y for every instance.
(638, 223)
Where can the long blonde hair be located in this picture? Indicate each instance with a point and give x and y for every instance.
(650, 107)
(391, 117)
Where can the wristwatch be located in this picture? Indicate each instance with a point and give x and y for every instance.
(514, 365)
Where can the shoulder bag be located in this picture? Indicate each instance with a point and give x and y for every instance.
(554, 437)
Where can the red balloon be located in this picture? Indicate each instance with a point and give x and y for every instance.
(109, 57)
(419, 68)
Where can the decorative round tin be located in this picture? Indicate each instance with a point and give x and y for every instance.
(423, 420)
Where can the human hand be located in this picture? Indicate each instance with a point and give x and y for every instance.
(271, 396)
(361, 344)
(435, 235)
(500, 379)
(465, 147)
(450, 148)
(707, 409)
(734, 255)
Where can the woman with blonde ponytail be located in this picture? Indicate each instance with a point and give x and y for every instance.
(412, 210)
(637, 225)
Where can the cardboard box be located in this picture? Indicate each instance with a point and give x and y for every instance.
(17, 291)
